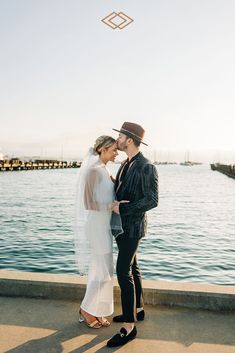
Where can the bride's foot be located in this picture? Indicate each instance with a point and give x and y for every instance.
(104, 322)
(90, 320)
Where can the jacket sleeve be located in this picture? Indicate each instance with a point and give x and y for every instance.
(149, 182)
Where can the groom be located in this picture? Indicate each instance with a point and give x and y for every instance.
(137, 183)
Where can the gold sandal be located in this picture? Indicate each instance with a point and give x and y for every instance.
(94, 324)
(104, 322)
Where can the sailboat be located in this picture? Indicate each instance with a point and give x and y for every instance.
(187, 162)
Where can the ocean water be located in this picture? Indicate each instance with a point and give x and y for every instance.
(191, 234)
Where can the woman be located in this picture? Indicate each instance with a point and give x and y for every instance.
(95, 200)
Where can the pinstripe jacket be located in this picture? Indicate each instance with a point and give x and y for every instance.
(140, 188)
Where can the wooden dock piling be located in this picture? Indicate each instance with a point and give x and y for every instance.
(228, 170)
(17, 164)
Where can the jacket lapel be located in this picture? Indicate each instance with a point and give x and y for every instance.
(128, 174)
(117, 183)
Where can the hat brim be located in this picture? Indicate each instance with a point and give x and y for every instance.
(122, 132)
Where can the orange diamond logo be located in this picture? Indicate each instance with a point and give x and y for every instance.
(125, 20)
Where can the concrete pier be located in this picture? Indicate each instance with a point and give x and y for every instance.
(32, 322)
(29, 325)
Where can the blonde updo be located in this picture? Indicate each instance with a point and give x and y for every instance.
(102, 141)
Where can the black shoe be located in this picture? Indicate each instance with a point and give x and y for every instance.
(122, 338)
(139, 316)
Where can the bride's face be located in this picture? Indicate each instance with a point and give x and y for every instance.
(110, 153)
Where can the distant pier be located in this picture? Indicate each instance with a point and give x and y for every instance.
(17, 164)
(228, 170)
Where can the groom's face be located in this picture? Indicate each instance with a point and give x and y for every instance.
(122, 142)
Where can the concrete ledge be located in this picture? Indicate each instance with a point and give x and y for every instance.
(72, 287)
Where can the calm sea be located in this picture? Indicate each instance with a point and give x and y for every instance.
(191, 234)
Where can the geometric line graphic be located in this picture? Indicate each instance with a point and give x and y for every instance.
(126, 20)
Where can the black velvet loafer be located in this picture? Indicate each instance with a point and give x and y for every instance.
(122, 338)
(139, 316)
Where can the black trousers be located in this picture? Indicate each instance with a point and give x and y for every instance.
(129, 277)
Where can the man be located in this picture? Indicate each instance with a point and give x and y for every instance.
(137, 183)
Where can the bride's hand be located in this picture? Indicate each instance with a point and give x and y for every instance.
(116, 206)
(113, 204)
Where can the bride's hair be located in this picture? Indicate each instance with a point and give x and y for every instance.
(102, 141)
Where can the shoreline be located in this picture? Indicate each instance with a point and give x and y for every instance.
(72, 287)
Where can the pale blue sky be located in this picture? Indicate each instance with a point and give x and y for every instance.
(66, 78)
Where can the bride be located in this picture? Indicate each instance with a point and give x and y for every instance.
(93, 234)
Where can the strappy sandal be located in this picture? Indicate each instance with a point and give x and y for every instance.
(94, 324)
(104, 322)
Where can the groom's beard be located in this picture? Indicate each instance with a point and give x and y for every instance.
(121, 146)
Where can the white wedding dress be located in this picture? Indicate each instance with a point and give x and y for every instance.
(98, 194)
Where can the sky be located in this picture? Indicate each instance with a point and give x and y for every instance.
(67, 78)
